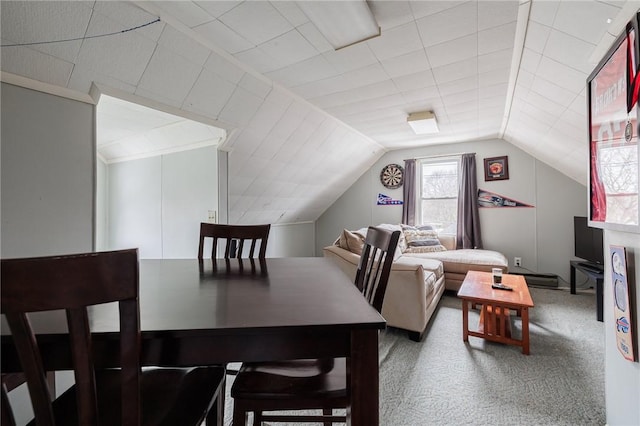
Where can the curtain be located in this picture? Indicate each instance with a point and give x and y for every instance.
(409, 193)
(468, 234)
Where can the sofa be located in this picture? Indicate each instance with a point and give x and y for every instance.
(425, 264)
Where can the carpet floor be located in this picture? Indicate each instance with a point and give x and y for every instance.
(444, 381)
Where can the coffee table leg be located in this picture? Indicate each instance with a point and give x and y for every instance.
(465, 321)
(525, 331)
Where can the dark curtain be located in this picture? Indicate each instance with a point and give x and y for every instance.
(409, 193)
(468, 235)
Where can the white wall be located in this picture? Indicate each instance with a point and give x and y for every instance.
(157, 203)
(291, 240)
(542, 236)
(622, 377)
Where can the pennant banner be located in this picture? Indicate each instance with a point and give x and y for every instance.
(490, 199)
(385, 200)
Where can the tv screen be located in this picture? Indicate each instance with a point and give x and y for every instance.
(587, 241)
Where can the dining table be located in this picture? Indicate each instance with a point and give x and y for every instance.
(215, 311)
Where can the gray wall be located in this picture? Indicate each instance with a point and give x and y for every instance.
(622, 377)
(48, 163)
(542, 236)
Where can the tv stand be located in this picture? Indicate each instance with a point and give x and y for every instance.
(593, 271)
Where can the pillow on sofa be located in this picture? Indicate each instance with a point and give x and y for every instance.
(352, 241)
(421, 239)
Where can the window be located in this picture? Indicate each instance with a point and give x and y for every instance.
(438, 202)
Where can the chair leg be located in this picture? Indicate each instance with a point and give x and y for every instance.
(239, 416)
(215, 416)
(257, 418)
(327, 412)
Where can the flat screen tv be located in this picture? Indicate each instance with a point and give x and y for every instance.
(588, 242)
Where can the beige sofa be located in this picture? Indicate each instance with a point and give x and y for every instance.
(417, 280)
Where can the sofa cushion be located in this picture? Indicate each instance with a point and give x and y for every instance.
(463, 260)
(409, 263)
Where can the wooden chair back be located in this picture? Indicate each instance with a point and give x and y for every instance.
(235, 236)
(72, 283)
(375, 264)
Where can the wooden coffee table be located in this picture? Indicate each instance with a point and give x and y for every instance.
(495, 322)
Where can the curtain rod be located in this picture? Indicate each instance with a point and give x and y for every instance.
(441, 155)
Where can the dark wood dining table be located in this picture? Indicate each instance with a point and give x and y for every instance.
(204, 312)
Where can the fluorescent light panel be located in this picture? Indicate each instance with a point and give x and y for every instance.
(423, 123)
(343, 23)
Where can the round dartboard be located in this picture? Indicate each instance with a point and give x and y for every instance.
(392, 176)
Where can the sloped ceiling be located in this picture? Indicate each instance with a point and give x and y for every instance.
(304, 120)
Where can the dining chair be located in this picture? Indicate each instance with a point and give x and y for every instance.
(314, 383)
(124, 395)
(235, 237)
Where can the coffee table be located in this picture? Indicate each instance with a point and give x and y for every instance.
(495, 321)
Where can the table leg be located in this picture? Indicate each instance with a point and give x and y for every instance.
(572, 280)
(363, 379)
(525, 331)
(465, 321)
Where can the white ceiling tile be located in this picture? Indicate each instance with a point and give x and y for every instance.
(217, 8)
(267, 116)
(449, 24)
(562, 75)
(495, 60)
(367, 105)
(570, 51)
(495, 13)
(224, 68)
(258, 21)
(224, 36)
(255, 85)
(209, 94)
(186, 12)
(414, 81)
(552, 91)
(422, 95)
(543, 12)
(128, 54)
(456, 71)
(291, 12)
(322, 87)
(453, 51)
(350, 58)
(409, 63)
(525, 79)
(586, 23)
(530, 60)
(371, 91)
(310, 32)
(537, 36)
(51, 21)
(129, 15)
(288, 49)
(425, 8)
(390, 14)
(183, 45)
(83, 78)
(456, 86)
(240, 108)
(35, 65)
(493, 77)
(312, 69)
(493, 91)
(169, 75)
(396, 42)
(258, 60)
(496, 38)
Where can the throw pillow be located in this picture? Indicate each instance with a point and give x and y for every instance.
(352, 241)
(426, 249)
(421, 239)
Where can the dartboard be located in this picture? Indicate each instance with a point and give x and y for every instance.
(392, 176)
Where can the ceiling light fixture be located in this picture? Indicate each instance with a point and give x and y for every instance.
(423, 123)
(343, 23)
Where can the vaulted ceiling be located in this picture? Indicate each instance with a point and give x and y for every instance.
(304, 120)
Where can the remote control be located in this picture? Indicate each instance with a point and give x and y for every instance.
(501, 287)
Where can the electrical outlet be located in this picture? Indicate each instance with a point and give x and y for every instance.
(517, 261)
(211, 216)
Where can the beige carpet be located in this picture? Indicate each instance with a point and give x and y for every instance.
(443, 381)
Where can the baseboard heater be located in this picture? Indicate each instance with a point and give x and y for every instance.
(540, 280)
